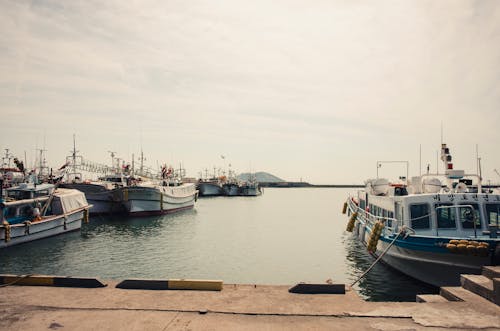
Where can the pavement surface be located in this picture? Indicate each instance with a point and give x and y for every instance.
(236, 307)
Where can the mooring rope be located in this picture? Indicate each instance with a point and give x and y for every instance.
(379, 257)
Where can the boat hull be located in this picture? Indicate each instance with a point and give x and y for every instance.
(231, 189)
(103, 200)
(249, 191)
(424, 259)
(158, 200)
(21, 233)
(210, 189)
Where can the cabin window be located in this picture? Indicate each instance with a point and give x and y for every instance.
(467, 216)
(446, 216)
(10, 212)
(362, 204)
(492, 213)
(26, 210)
(419, 214)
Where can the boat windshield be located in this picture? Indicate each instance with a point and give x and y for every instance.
(420, 216)
(468, 216)
(445, 216)
(493, 213)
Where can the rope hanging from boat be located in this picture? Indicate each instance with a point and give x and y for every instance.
(403, 230)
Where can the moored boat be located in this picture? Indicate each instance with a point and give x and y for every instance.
(429, 228)
(210, 187)
(250, 188)
(105, 194)
(33, 212)
(158, 198)
(231, 189)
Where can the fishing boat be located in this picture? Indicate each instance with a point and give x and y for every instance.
(231, 185)
(104, 194)
(151, 198)
(31, 212)
(231, 189)
(155, 197)
(433, 227)
(210, 187)
(250, 188)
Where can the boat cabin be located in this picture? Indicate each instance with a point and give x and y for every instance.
(449, 214)
(29, 191)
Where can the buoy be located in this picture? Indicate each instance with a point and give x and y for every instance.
(344, 209)
(6, 229)
(454, 242)
(471, 249)
(350, 224)
(374, 236)
(452, 248)
(462, 248)
(482, 250)
(463, 242)
(86, 216)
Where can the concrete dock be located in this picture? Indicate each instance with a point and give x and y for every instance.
(236, 307)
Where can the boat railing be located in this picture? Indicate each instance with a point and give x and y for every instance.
(391, 224)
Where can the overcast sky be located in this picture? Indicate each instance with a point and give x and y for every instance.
(316, 89)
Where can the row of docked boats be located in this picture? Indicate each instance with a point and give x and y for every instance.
(433, 227)
(38, 205)
(121, 193)
(222, 186)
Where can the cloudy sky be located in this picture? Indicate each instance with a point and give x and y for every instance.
(318, 90)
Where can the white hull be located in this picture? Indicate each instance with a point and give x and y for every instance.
(21, 233)
(153, 200)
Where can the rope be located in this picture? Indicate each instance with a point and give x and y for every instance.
(378, 259)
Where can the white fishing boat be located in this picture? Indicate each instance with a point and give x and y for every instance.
(250, 188)
(152, 198)
(231, 185)
(31, 212)
(433, 227)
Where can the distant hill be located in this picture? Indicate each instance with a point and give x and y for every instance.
(261, 177)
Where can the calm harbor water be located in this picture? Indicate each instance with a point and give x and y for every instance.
(284, 236)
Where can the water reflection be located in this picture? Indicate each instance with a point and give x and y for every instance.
(282, 237)
(382, 283)
(136, 227)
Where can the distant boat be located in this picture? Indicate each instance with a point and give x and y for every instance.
(33, 212)
(210, 187)
(231, 185)
(231, 189)
(250, 188)
(430, 229)
(151, 198)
